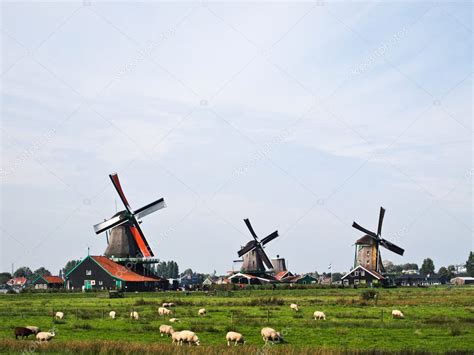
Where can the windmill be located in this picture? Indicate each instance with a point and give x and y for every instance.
(368, 247)
(124, 236)
(255, 260)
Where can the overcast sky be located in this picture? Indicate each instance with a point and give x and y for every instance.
(300, 116)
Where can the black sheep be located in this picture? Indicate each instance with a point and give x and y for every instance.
(23, 332)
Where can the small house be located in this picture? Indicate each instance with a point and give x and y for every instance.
(459, 281)
(362, 276)
(306, 280)
(47, 282)
(17, 282)
(417, 280)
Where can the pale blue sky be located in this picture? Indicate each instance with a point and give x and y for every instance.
(300, 116)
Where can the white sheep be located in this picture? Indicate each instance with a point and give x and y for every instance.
(397, 314)
(187, 336)
(165, 305)
(202, 312)
(294, 307)
(112, 314)
(171, 304)
(166, 330)
(176, 338)
(34, 329)
(270, 334)
(134, 315)
(319, 315)
(162, 311)
(59, 315)
(45, 336)
(174, 320)
(234, 337)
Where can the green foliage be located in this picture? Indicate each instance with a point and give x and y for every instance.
(427, 267)
(470, 264)
(4, 277)
(369, 295)
(23, 271)
(69, 266)
(167, 269)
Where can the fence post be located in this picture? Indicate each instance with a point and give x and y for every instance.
(381, 314)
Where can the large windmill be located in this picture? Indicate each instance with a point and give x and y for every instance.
(126, 239)
(255, 260)
(368, 247)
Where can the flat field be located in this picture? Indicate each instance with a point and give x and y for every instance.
(437, 319)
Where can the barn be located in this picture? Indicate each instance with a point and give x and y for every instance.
(362, 276)
(48, 282)
(101, 273)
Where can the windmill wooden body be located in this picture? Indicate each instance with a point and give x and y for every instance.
(367, 253)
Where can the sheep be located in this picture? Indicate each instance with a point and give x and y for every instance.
(176, 338)
(45, 336)
(319, 315)
(134, 315)
(234, 337)
(34, 329)
(112, 314)
(162, 311)
(166, 330)
(202, 312)
(171, 304)
(397, 314)
(22, 332)
(270, 334)
(187, 336)
(174, 320)
(165, 305)
(294, 307)
(59, 315)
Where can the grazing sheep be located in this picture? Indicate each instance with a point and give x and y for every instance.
(235, 338)
(202, 312)
(45, 336)
(171, 304)
(397, 314)
(112, 314)
(134, 315)
(187, 336)
(165, 305)
(59, 315)
(166, 330)
(176, 338)
(162, 311)
(319, 315)
(34, 329)
(294, 307)
(22, 332)
(270, 334)
(174, 320)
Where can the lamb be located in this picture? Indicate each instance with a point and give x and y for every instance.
(234, 337)
(166, 330)
(59, 315)
(34, 329)
(187, 336)
(174, 320)
(397, 314)
(202, 312)
(134, 315)
(319, 315)
(270, 334)
(112, 314)
(162, 311)
(22, 332)
(294, 307)
(45, 336)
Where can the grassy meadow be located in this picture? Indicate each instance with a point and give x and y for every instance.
(438, 319)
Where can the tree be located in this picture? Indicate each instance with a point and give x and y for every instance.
(427, 267)
(23, 271)
(71, 264)
(470, 264)
(4, 277)
(42, 271)
(336, 276)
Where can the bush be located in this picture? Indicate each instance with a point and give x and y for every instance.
(369, 295)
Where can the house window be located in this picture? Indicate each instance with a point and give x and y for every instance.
(356, 281)
(101, 283)
(88, 272)
(363, 282)
(346, 282)
(362, 273)
(356, 273)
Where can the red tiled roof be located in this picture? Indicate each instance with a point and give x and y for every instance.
(17, 281)
(280, 275)
(53, 279)
(120, 271)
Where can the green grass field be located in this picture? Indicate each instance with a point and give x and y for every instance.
(436, 320)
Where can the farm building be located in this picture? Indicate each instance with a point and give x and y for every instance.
(247, 279)
(282, 275)
(100, 273)
(306, 280)
(362, 276)
(417, 280)
(462, 281)
(17, 282)
(45, 282)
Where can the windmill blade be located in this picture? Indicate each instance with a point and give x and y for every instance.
(250, 246)
(249, 226)
(381, 215)
(264, 258)
(110, 223)
(362, 229)
(269, 238)
(116, 182)
(140, 239)
(392, 247)
(150, 208)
